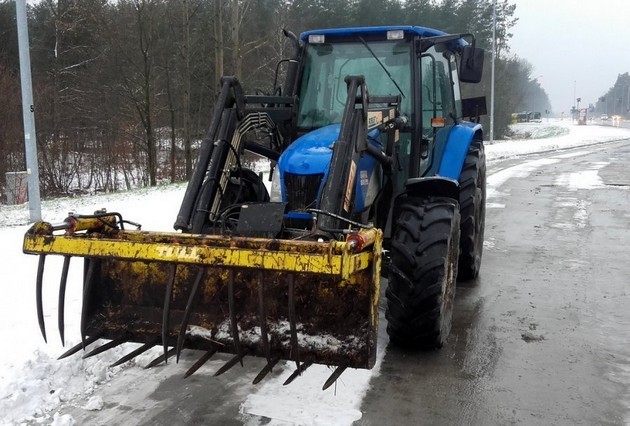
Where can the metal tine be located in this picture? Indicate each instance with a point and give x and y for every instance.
(111, 344)
(292, 325)
(161, 358)
(76, 348)
(38, 295)
(263, 318)
(334, 376)
(193, 295)
(201, 361)
(231, 363)
(62, 298)
(87, 286)
(136, 352)
(166, 313)
(233, 323)
(298, 371)
(266, 370)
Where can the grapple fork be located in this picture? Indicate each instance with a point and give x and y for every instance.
(276, 299)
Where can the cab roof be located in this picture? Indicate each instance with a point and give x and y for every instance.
(341, 32)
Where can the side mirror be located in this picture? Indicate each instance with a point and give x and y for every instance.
(471, 64)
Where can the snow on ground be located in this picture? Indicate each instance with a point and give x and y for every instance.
(551, 136)
(33, 383)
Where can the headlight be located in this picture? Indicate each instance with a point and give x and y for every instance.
(275, 195)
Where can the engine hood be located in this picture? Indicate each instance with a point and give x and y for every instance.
(306, 164)
(310, 154)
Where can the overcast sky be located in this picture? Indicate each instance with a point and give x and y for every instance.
(573, 43)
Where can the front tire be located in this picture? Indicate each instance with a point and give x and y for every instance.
(423, 271)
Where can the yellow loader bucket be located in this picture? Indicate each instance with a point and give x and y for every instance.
(311, 302)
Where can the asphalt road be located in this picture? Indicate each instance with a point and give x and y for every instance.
(543, 336)
(540, 338)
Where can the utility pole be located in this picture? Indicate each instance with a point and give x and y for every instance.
(28, 114)
(574, 112)
(494, 50)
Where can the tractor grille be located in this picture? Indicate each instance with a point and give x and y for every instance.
(301, 190)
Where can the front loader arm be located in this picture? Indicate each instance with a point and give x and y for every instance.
(337, 196)
(218, 131)
(233, 117)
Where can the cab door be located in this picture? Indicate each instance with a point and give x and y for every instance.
(440, 104)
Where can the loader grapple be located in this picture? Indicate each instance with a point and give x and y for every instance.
(311, 302)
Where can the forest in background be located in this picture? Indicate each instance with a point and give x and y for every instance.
(123, 90)
(616, 101)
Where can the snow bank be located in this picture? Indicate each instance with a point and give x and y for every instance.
(551, 136)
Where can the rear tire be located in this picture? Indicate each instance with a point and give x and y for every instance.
(423, 271)
(472, 205)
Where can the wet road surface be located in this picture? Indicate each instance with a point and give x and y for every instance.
(543, 335)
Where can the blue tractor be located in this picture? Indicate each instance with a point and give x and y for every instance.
(378, 168)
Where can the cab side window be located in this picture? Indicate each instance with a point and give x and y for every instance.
(437, 88)
(457, 94)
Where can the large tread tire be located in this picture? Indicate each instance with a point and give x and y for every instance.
(423, 271)
(472, 205)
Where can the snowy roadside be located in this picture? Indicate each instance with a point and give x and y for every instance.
(552, 136)
(33, 383)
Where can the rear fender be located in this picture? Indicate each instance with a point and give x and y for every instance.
(459, 139)
(433, 186)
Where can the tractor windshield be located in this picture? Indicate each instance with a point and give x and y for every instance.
(323, 93)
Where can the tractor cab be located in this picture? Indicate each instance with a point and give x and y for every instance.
(416, 65)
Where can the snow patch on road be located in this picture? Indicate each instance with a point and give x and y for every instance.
(577, 209)
(583, 179)
(303, 402)
(495, 180)
(95, 403)
(296, 404)
(63, 420)
(495, 205)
